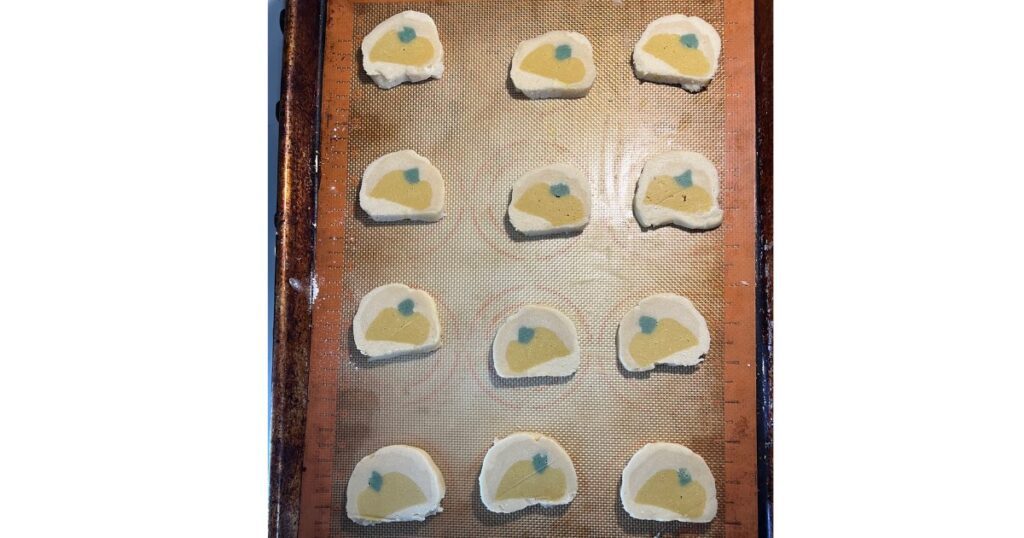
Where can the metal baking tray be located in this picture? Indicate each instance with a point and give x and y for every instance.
(332, 406)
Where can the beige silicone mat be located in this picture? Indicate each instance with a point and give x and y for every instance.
(482, 136)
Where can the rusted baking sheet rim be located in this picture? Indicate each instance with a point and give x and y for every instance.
(763, 37)
(304, 24)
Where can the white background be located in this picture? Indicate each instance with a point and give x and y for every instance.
(133, 321)
(133, 384)
(898, 274)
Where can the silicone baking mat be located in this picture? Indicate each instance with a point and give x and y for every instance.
(482, 135)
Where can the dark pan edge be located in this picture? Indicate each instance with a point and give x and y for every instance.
(303, 24)
(763, 99)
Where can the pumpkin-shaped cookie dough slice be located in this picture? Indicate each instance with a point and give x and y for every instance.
(404, 48)
(525, 469)
(536, 341)
(668, 482)
(550, 200)
(403, 185)
(680, 188)
(395, 319)
(555, 65)
(662, 329)
(395, 483)
(677, 49)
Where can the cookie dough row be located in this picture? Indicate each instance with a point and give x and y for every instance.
(538, 340)
(676, 187)
(674, 49)
(661, 482)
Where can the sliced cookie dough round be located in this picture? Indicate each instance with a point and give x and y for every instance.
(550, 200)
(676, 49)
(525, 469)
(536, 341)
(403, 185)
(395, 319)
(556, 65)
(662, 329)
(668, 482)
(395, 483)
(680, 188)
(403, 48)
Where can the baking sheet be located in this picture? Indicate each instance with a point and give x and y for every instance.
(482, 136)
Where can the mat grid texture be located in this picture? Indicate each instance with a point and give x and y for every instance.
(482, 135)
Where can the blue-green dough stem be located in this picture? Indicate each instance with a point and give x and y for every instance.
(684, 476)
(540, 462)
(376, 481)
(406, 34)
(559, 190)
(406, 307)
(648, 324)
(685, 179)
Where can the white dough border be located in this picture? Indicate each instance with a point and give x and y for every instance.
(408, 460)
(656, 457)
(664, 305)
(516, 447)
(649, 67)
(536, 86)
(537, 316)
(382, 210)
(388, 296)
(528, 224)
(673, 163)
(388, 75)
